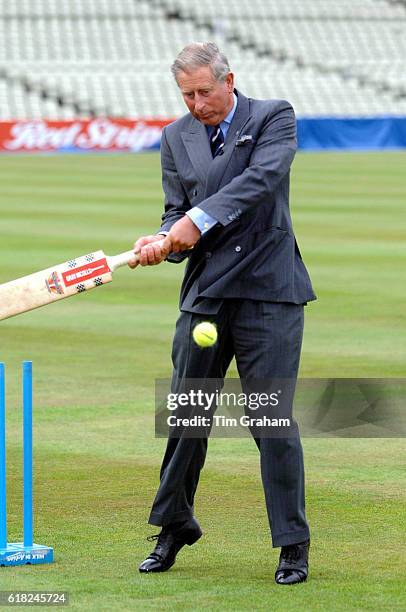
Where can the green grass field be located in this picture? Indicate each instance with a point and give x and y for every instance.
(95, 360)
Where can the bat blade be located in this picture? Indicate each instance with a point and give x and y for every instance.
(58, 282)
(61, 281)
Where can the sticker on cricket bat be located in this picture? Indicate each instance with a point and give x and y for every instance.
(61, 281)
(86, 272)
(54, 284)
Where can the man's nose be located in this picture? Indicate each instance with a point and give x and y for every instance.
(199, 104)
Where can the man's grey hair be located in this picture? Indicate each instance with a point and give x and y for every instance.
(199, 54)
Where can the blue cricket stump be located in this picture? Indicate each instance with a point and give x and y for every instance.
(26, 552)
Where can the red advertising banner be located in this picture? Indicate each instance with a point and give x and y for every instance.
(100, 134)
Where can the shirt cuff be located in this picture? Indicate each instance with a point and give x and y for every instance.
(201, 219)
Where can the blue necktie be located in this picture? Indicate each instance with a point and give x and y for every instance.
(216, 141)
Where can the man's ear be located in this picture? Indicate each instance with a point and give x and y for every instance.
(230, 82)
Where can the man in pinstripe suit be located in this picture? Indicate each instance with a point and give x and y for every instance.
(225, 174)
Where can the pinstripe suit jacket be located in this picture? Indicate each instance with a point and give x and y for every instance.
(252, 251)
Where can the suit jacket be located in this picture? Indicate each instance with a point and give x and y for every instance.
(252, 251)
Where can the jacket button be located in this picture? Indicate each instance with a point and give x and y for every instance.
(208, 255)
(195, 192)
(237, 249)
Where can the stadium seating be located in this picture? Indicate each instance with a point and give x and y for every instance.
(89, 57)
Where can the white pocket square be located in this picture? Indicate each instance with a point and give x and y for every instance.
(247, 138)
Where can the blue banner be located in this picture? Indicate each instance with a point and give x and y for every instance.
(361, 133)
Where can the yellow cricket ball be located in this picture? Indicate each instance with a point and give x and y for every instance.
(205, 334)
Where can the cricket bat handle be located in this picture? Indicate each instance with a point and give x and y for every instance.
(117, 261)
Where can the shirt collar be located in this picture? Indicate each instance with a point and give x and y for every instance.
(230, 115)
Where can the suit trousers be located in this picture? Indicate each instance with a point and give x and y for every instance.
(265, 338)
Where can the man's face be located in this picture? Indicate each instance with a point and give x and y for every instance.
(208, 100)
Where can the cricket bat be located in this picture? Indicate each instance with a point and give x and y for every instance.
(60, 281)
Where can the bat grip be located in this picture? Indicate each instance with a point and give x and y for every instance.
(116, 261)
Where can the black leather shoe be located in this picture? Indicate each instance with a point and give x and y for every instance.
(170, 541)
(293, 563)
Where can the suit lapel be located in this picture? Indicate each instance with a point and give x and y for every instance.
(196, 141)
(197, 146)
(241, 116)
(220, 163)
